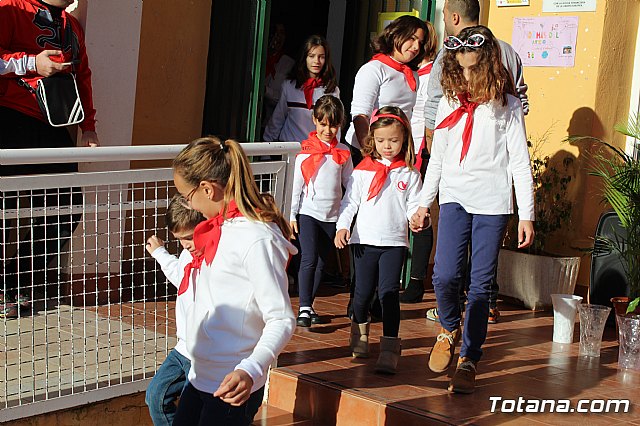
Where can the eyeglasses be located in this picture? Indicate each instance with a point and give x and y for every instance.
(187, 198)
(473, 41)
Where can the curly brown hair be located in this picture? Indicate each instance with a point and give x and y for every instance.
(489, 79)
(369, 147)
(396, 33)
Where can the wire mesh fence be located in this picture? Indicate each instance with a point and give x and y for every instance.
(84, 308)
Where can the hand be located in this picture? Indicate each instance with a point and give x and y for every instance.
(342, 238)
(420, 220)
(294, 228)
(525, 233)
(45, 66)
(235, 389)
(90, 138)
(153, 243)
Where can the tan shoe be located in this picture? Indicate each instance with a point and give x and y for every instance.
(359, 340)
(464, 379)
(443, 350)
(390, 349)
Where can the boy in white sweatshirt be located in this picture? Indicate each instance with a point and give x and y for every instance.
(171, 378)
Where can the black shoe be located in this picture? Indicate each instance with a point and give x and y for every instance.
(304, 318)
(414, 292)
(315, 318)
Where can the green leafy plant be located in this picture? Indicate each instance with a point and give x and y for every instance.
(620, 175)
(551, 204)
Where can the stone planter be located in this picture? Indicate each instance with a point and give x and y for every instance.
(531, 279)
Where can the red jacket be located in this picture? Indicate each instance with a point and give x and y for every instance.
(25, 31)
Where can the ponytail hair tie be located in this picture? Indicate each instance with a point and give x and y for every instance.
(375, 117)
(223, 147)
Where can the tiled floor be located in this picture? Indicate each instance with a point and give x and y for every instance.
(520, 360)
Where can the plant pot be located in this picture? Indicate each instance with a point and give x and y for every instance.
(532, 279)
(565, 308)
(629, 338)
(592, 321)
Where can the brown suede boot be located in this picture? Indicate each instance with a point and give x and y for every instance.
(359, 341)
(390, 349)
(464, 379)
(443, 350)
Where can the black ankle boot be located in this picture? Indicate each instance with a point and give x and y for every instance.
(414, 291)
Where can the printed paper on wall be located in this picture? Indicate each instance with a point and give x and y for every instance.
(568, 5)
(501, 3)
(546, 42)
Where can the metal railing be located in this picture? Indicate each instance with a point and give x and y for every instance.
(95, 316)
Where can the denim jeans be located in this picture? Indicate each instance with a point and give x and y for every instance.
(456, 228)
(166, 386)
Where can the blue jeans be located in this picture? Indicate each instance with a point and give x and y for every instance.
(166, 386)
(456, 228)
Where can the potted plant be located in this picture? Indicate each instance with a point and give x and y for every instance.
(533, 274)
(620, 176)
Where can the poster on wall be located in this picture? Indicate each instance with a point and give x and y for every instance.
(546, 42)
(568, 5)
(501, 3)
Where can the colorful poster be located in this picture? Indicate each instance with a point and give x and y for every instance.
(501, 3)
(568, 5)
(546, 42)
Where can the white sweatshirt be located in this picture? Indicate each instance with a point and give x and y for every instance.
(173, 269)
(291, 120)
(242, 316)
(321, 199)
(383, 220)
(498, 158)
(417, 117)
(378, 85)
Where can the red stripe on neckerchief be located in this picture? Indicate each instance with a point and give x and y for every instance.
(403, 68)
(308, 87)
(317, 150)
(426, 69)
(382, 172)
(195, 263)
(206, 236)
(466, 107)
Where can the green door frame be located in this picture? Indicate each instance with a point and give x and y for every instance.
(263, 11)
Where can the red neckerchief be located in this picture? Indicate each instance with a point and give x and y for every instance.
(308, 87)
(316, 150)
(272, 60)
(206, 236)
(195, 263)
(426, 69)
(381, 170)
(466, 107)
(403, 68)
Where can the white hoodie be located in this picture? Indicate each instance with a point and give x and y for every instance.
(242, 316)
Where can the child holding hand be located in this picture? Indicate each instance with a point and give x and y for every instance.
(322, 168)
(383, 192)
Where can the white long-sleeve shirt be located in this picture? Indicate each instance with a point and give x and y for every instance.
(242, 316)
(291, 120)
(321, 198)
(417, 116)
(173, 269)
(383, 220)
(378, 85)
(497, 158)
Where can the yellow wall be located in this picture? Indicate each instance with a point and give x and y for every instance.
(174, 45)
(587, 99)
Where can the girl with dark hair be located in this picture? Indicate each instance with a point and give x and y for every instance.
(383, 191)
(390, 77)
(312, 77)
(479, 153)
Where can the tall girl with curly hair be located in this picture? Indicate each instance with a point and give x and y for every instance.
(312, 76)
(479, 153)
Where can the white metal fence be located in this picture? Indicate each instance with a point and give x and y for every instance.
(95, 316)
